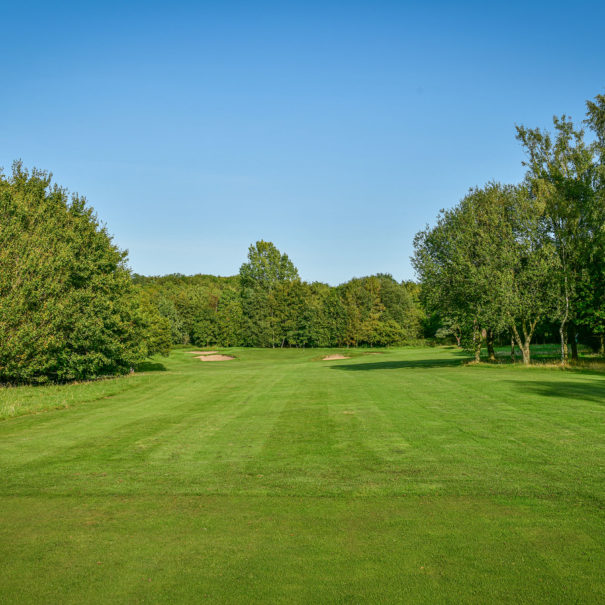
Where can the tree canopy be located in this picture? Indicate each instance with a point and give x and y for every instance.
(510, 258)
(68, 307)
(268, 305)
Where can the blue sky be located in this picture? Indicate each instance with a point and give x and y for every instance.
(336, 130)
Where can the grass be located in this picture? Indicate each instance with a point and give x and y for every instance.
(274, 478)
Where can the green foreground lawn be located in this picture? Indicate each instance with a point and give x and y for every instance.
(276, 478)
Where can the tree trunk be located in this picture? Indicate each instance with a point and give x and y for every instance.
(563, 327)
(602, 348)
(524, 345)
(563, 335)
(491, 353)
(573, 335)
(512, 348)
(477, 339)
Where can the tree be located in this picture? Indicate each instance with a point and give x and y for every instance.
(450, 261)
(158, 331)
(591, 299)
(400, 307)
(485, 267)
(527, 294)
(68, 307)
(561, 175)
(229, 318)
(168, 310)
(266, 268)
(328, 316)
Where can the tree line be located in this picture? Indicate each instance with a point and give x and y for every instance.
(521, 259)
(508, 261)
(71, 309)
(268, 305)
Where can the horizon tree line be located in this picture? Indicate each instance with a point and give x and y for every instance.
(268, 305)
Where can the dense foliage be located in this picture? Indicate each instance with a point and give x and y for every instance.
(68, 307)
(521, 259)
(268, 305)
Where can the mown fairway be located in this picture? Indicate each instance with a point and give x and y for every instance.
(399, 477)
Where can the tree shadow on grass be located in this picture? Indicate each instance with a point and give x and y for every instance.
(398, 365)
(588, 391)
(150, 366)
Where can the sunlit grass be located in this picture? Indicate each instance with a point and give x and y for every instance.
(277, 477)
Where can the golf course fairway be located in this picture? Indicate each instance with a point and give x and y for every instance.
(403, 475)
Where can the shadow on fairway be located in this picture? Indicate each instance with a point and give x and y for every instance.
(592, 391)
(150, 366)
(398, 365)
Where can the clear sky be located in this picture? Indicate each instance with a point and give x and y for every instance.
(336, 130)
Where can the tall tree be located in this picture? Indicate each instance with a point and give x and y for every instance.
(68, 307)
(560, 175)
(266, 268)
(592, 297)
(485, 267)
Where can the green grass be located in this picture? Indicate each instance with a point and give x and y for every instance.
(276, 478)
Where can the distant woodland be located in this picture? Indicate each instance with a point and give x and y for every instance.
(268, 305)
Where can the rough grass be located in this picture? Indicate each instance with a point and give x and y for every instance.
(406, 477)
(17, 401)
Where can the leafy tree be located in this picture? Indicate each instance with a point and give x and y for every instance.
(450, 264)
(561, 175)
(400, 306)
(167, 309)
(229, 319)
(526, 279)
(328, 317)
(158, 332)
(204, 329)
(266, 269)
(449, 328)
(591, 299)
(68, 307)
(486, 268)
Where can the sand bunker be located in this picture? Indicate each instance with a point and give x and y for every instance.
(202, 352)
(206, 357)
(330, 357)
